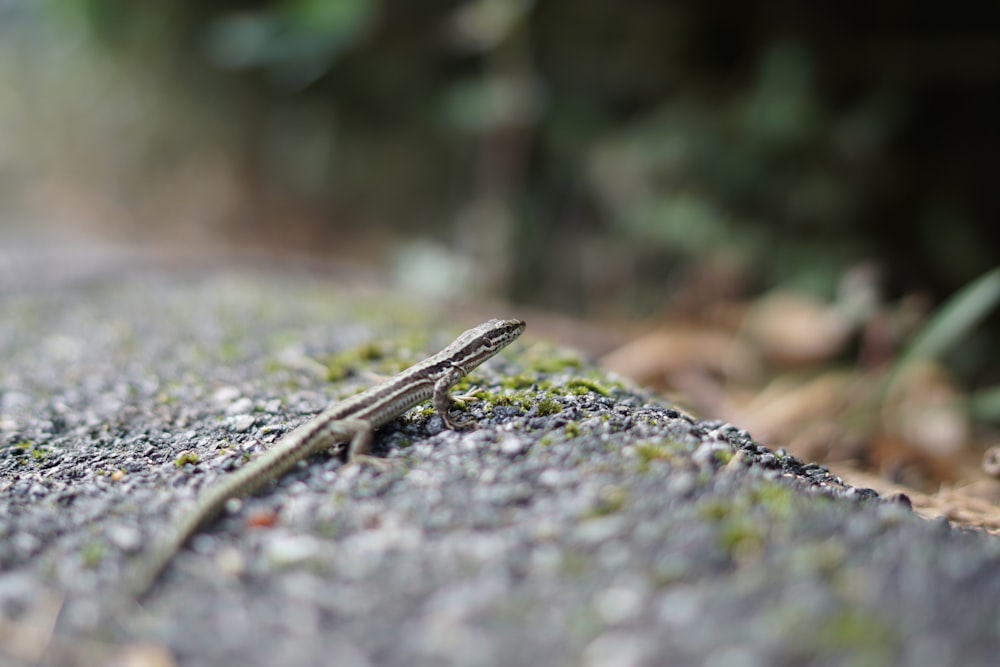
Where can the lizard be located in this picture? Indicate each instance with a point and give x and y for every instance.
(352, 420)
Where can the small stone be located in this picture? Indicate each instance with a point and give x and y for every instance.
(242, 423)
(617, 650)
(142, 655)
(900, 499)
(595, 531)
(224, 395)
(126, 538)
(25, 544)
(552, 478)
(618, 604)
(292, 549)
(240, 406)
(712, 453)
(734, 656)
(231, 562)
(512, 445)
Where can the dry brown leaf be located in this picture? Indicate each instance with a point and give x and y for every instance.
(959, 505)
(795, 329)
(786, 405)
(654, 357)
(924, 409)
(142, 655)
(900, 461)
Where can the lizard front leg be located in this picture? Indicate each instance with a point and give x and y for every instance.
(442, 398)
(360, 433)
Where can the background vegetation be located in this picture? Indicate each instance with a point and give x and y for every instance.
(602, 158)
(583, 154)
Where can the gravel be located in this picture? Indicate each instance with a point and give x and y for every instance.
(571, 526)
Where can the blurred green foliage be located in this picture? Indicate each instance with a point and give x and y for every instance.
(591, 155)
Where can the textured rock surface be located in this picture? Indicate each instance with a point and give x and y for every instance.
(579, 522)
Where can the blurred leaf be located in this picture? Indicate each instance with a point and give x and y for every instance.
(236, 41)
(481, 25)
(952, 240)
(984, 404)
(483, 104)
(690, 222)
(297, 43)
(782, 109)
(955, 319)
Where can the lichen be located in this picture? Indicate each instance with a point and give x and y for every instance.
(187, 457)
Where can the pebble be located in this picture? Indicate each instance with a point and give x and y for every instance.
(617, 649)
(126, 538)
(242, 423)
(225, 395)
(512, 445)
(291, 549)
(240, 406)
(618, 604)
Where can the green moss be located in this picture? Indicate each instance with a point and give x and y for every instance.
(425, 412)
(582, 386)
(369, 352)
(611, 500)
(92, 553)
(336, 370)
(740, 536)
(574, 563)
(826, 557)
(328, 530)
(660, 450)
(230, 352)
(663, 450)
(165, 398)
(744, 519)
(517, 382)
(28, 448)
(547, 406)
(777, 499)
(187, 457)
(714, 510)
(343, 364)
(272, 366)
(556, 363)
(723, 456)
(524, 401)
(503, 400)
(856, 629)
(572, 430)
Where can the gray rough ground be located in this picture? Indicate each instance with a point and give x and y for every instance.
(600, 530)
